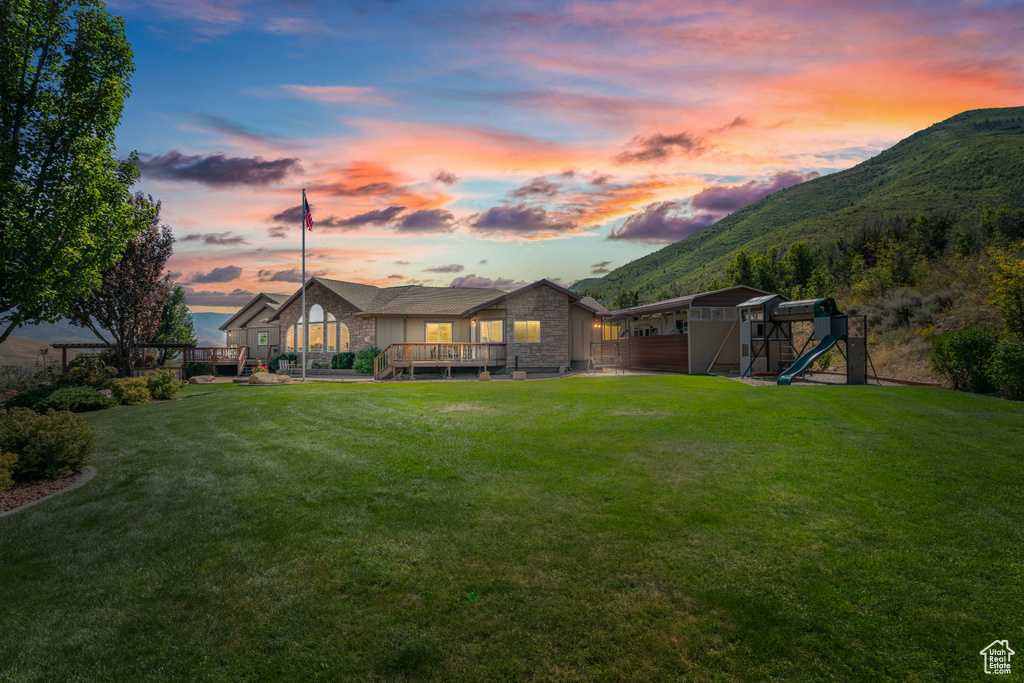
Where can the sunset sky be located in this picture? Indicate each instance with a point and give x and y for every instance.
(490, 144)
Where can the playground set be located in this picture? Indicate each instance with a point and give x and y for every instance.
(767, 344)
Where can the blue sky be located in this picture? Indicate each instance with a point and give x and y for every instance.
(492, 144)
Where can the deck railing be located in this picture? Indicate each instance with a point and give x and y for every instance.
(214, 355)
(430, 354)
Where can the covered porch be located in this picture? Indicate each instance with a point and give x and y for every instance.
(409, 356)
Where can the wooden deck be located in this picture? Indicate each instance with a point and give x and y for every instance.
(231, 355)
(434, 355)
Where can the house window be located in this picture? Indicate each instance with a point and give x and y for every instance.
(745, 350)
(331, 340)
(316, 328)
(491, 331)
(439, 333)
(527, 331)
(343, 347)
(262, 338)
(296, 334)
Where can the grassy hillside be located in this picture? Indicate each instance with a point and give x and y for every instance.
(574, 529)
(963, 165)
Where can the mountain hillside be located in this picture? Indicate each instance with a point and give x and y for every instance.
(963, 165)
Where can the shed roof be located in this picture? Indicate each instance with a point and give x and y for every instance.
(668, 305)
(760, 300)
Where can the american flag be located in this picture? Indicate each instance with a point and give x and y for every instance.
(306, 213)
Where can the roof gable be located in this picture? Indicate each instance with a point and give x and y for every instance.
(272, 299)
(573, 296)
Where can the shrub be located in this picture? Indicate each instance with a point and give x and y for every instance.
(944, 299)
(130, 391)
(75, 399)
(91, 375)
(194, 369)
(343, 361)
(315, 366)
(30, 399)
(963, 356)
(275, 361)
(17, 378)
(824, 360)
(363, 363)
(7, 462)
(898, 309)
(49, 446)
(1007, 370)
(161, 384)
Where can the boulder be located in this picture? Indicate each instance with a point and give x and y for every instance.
(485, 376)
(519, 374)
(200, 379)
(265, 379)
(106, 392)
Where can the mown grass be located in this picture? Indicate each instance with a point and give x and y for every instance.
(642, 528)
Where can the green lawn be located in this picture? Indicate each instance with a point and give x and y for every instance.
(636, 528)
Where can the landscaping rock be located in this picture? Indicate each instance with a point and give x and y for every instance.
(200, 379)
(519, 374)
(485, 376)
(268, 379)
(106, 392)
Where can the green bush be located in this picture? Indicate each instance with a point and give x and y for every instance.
(130, 391)
(343, 361)
(161, 384)
(275, 361)
(7, 462)
(48, 446)
(194, 369)
(963, 357)
(363, 363)
(30, 399)
(1007, 369)
(824, 360)
(75, 399)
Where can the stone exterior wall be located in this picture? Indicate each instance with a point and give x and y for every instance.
(551, 308)
(358, 328)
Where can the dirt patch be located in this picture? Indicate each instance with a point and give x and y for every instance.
(30, 492)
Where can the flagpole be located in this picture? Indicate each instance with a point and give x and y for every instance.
(305, 323)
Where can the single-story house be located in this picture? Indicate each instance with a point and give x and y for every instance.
(542, 326)
(691, 334)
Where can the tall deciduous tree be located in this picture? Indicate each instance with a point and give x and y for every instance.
(126, 309)
(176, 326)
(64, 210)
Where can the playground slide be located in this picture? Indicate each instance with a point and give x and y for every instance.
(804, 361)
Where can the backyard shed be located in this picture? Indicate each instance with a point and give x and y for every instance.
(692, 334)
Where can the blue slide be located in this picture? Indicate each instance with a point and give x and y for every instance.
(804, 361)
